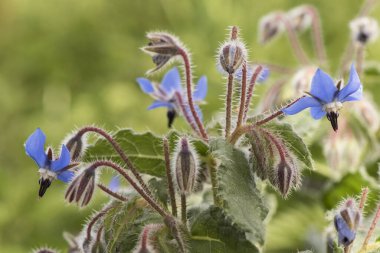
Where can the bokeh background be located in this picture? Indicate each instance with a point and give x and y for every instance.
(65, 64)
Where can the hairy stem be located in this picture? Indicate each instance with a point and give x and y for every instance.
(120, 151)
(94, 220)
(149, 199)
(317, 35)
(183, 209)
(112, 193)
(296, 45)
(185, 112)
(359, 59)
(363, 198)
(169, 177)
(198, 121)
(243, 95)
(371, 229)
(229, 104)
(246, 128)
(251, 86)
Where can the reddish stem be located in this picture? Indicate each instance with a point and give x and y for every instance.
(243, 95)
(251, 86)
(186, 61)
(169, 178)
(94, 220)
(317, 34)
(228, 104)
(372, 228)
(363, 198)
(120, 151)
(185, 112)
(140, 190)
(112, 193)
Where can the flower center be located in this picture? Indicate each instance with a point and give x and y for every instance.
(47, 174)
(332, 107)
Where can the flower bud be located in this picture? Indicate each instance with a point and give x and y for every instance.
(81, 188)
(285, 177)
(231, 56)
(185, 166)
(300, 18)
(162, 47)
(364, 30)
(76, 146)
(301, 80)
(270, 26)
(346, 222)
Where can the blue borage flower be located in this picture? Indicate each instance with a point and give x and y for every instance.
(326, 98)
(49, 168)
(165, 93)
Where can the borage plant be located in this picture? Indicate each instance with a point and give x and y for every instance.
(204, 190)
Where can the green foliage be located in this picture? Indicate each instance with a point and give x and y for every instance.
(144, 150)
(214, 231)
(242, 201)
(124, 222)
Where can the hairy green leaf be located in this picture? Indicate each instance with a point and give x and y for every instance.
(243, 202)
(214, 232)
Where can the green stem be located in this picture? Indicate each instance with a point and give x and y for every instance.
(211, 165)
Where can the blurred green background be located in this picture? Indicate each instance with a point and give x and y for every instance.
(64, 64)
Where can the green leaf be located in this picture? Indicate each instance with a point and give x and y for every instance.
(243, 202)
(143, 149)
(213, 232)
(124, 222)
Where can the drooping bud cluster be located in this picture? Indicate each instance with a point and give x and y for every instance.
(364, 30)
(232, 53)
(162, 47)
(273, 161)
(82, 187)
(185, 166)
(346, 222)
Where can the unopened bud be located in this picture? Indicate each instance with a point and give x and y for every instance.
(185, 167)
(81, 188)
(301, 80)
(76, 146)
(286, 178)
(346, 222)
(270, 26)
(300, 18)
(232, 53)
(364, 30)
(162, 47)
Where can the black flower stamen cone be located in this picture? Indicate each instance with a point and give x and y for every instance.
(44, 185)
(333, 118)
(171, 114)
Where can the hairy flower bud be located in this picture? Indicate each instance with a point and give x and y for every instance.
(300, 18)
(270, 26)
(346, 222)
(364, 30)
(301, 80)
(76, 146)
(231, 53)
(231, 56)
(81, 188)
(185, 166)
(162, 47)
